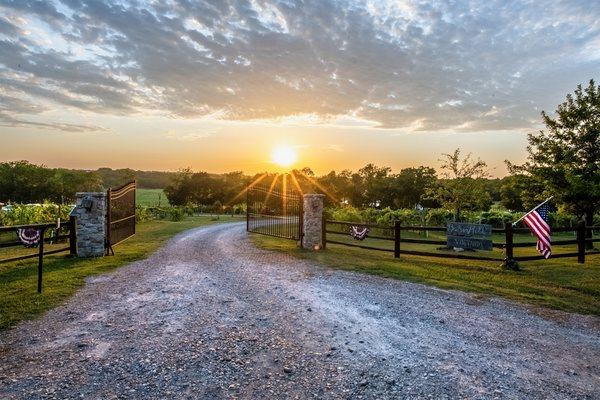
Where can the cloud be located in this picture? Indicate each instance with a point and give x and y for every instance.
(12, 107)
(465, 65)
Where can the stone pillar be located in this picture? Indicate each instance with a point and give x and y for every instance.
(313, 221)
(90, 211)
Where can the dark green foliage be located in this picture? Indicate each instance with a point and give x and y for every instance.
(189, 187)
(565, 158)
(23, 182)
(145, 179)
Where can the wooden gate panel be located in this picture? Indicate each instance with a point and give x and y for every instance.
(120, 215)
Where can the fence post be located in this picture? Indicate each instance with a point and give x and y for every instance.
(41, 259)
(72, 236)
(508, 230)
(324, 244)
(509, 261)
(581, 242)
(397, 239)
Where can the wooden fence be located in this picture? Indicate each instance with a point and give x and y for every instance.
(395, 234)
(64, 233)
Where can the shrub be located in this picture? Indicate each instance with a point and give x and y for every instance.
(21, 214)
(438, 217)
(176, 214)
(143, 214)
(406, 216)
(347, 213)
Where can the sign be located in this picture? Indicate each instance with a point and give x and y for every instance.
(469, 236)
(464, 229)
(464, 242)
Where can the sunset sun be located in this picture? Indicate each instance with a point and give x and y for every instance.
(284, 155)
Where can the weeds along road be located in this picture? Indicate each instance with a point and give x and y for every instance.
(210, 316)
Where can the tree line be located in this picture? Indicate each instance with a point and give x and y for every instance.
(25, 182)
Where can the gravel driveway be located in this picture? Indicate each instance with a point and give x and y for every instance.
(210, 316)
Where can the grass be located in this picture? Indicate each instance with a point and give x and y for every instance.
(151, 197)
(556, 283)
(63, 275)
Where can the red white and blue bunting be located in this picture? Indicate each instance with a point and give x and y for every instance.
(30, 237)
(359, 232)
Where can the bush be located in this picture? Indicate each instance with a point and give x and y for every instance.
(406, 216)
(438, 217)
(143, 214)
(176, 214)
(346, 213)
(21, 214)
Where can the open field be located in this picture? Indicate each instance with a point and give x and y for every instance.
(151, 197)
(63, 276)
(555, 283)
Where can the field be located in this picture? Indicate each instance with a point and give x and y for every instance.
(556, 283)
(151, 198)
(63, 276)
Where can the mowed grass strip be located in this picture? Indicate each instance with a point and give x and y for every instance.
(556, 283)
(151, 198)
(63, 276)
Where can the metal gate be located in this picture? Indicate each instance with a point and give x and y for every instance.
(120, 215)
(274, 213)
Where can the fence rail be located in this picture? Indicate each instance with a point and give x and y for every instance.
(68, 226)
(393, 233)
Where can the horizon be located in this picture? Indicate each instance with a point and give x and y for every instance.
(344, 83)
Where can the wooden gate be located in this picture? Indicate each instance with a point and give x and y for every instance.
(273, 212)
(120, 215)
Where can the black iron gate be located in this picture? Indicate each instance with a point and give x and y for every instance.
(120, 215)
(274, 212)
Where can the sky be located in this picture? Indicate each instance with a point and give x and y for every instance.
(215, 85)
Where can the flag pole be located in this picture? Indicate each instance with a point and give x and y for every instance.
(533, 209)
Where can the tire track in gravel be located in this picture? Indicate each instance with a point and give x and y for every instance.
(211, 316)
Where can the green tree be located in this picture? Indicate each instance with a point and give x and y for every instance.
(566, 156)
(375, 184)
(463, 186)
(408, 188)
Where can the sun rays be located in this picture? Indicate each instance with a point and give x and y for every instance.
(295, 180)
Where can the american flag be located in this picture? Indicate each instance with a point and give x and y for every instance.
(537, 220)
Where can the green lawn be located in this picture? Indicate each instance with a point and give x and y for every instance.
(555, 283)
(151, 197)
(63, 276)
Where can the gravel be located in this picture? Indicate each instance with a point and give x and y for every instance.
(210, 316)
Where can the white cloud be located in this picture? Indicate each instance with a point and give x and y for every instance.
(421, 66)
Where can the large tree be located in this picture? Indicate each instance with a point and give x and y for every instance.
(407, 189)
(464, 185)
(566, 156)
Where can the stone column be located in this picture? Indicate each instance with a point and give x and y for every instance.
(90, 211)
(313, 221)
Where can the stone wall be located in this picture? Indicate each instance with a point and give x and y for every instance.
(91, 223)
(313, 221)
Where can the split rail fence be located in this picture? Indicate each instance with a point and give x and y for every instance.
(63, 236)
(397, 234)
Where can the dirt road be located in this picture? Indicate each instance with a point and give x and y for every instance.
(210, 316)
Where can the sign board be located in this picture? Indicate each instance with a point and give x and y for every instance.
(469, 236)
(471, 230)
(464, 242)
